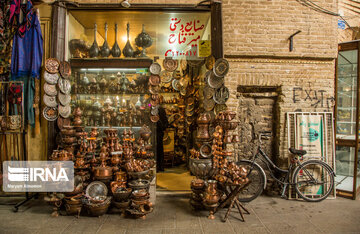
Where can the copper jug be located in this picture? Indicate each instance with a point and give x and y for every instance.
(203, 122)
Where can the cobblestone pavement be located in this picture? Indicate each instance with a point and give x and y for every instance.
(174, 215)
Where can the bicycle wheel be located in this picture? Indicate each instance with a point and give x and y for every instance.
(314, 180)
(257, 181)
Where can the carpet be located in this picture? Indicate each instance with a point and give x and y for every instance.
(174, 179)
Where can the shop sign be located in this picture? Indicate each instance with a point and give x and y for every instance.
(341, 24)
(204, 48)
(183, 37)
(38, 176)
(309, 135)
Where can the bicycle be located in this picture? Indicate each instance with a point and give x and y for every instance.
(313, 179)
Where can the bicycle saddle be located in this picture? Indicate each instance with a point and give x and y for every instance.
(298, 152)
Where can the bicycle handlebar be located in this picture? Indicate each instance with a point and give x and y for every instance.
(264, 135)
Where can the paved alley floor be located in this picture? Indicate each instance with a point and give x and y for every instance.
(173, 214)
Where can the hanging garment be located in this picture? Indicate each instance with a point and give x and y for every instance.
(27, 52)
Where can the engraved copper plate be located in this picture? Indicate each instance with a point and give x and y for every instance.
(64, 111)
(50, 113)
(154, 80)
(155, 69)
(166, 76)
(208, 92)
(64, 86)
(214, 81)
(50, 89)
(209, 104)
(221, 95)
(170, 64)
(52, 65)
(51, 78)
(154, 118)
(176, 85)
(49, 101)
(221, 67)
(64, 99)
(65, 70)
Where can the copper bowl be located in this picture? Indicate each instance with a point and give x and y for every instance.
(140, 193)
(138, 174)
(97, 209)
(122, 204)
(73, 209)
(139, 184)
(122, 194)
(197, 183)
(102, 173)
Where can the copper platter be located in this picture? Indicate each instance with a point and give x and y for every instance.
(50, 101)
(52, 65)
(155, 68)
(166, 76)
(154, 118)
(221, 67)
(50, 89)
(51, 78)
(209, 104)
(176, 85)
(214, 81)
(64, 111)
(65, 69)
(50, 113)
(209, 62)
(64, 99)
(96, 189)
(221, 95)
(64, 86)
(154, 80)
(208, 92)
(170, 64)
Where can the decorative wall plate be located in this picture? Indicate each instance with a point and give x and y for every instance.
(176, 85)
(154, 118)
(52, 65)
(64, 86)
(50, 101)
(183, 64)
(154, 79)
(166, 76)
(50, 113)
(221, 95)
(50, 89)
(64, 99)
(51, 78)
(155, 68)
(170, 64)
(214, 81)
(64, 111)
(96, 189)
(221, 67)
(208, 92)
(65, 69)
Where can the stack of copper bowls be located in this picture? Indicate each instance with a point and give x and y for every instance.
(68, 138)
(72, 199)
(140, 203)
(121, 198)
(96, 200)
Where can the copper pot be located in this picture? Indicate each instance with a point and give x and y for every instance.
(77, 121)
(77, 112)
(197, 183)
(120, 176)
(69, 140)
(211, 195)
(102, 172)
(80, 161)
(68, 132)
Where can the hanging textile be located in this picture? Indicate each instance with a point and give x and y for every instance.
(27, 51)
(6, 35)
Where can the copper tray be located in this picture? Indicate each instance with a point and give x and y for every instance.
(64, 111)
(154, 118)
(51, 78)
(50, 101)
(209, 104)
(166, 76)
(50, 113)
(64, 86)
(52, 65)
(221, 95)
(208, 92)
(176, 85)
(155, 68)
(65, 69)
(170, 64)
(214, 81)
(221, 67)
(64, 99)
(50, 89)
(154, 79)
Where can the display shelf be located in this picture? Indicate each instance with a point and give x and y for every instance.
(110, 62)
